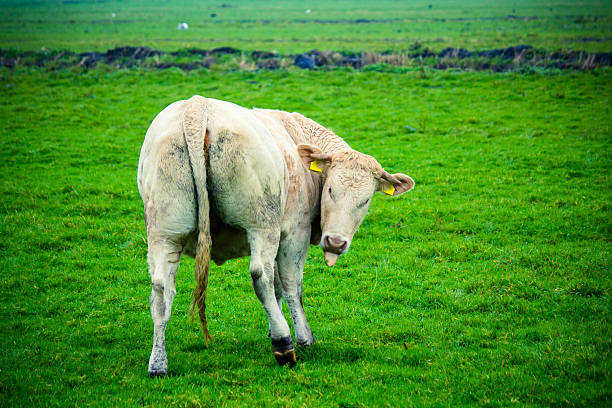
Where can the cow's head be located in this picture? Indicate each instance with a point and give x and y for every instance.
(350, 179)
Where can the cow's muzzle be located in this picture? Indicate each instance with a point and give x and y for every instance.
(333, 245)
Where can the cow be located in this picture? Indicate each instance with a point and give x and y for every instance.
(219, 181)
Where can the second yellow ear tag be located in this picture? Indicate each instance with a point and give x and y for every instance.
(315, 167)
(390, 190)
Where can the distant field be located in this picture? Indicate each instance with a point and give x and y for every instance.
(488, 285)
(352, 26)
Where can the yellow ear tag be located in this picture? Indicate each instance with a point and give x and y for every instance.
(315, 167)
(390, 190)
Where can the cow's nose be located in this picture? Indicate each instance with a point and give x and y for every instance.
(334, 244)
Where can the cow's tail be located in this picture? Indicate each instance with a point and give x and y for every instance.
(196, 137)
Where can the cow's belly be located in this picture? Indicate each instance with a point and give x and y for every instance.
(227, 242)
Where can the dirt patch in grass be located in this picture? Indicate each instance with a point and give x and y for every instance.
(229, 58)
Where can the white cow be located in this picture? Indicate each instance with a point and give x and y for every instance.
(221, 181)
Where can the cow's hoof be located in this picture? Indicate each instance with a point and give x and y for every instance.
(158, 373)
(158, 362)
(285, 357)
(306, 342)
(158, 368)
(284, 351)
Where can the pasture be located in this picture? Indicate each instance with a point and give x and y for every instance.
(349, 25)
(487, 285)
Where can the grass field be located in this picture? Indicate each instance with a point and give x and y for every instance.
(488, 285)
(349, 25)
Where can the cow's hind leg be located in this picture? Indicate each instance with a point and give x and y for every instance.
(163, 260)
(264, 245)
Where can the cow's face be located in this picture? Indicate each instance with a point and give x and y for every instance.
(350, 179)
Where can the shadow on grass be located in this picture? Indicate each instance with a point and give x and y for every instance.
(228, 354)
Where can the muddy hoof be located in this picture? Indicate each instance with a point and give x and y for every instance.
(285, 357)
(284, 351)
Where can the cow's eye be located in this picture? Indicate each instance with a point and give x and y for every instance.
(360, 205)
(330, 193)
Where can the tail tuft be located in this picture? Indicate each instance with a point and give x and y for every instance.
(201, 276)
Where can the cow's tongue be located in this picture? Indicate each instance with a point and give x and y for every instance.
(330, 258)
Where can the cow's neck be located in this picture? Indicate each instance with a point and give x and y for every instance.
(319, 136)
(326, 140)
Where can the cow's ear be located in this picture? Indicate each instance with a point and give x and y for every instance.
(395, 184)
(314, 158)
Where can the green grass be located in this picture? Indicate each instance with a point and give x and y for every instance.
(84, 25)
(489, 284)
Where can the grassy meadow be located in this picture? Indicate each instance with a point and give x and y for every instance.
(488, 285)
(346, 25)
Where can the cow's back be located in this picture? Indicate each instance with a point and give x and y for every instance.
(245, 167)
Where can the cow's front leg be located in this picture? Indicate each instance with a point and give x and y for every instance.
(291, 258)
(278, 293)
(163, 263)
(264, 245)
